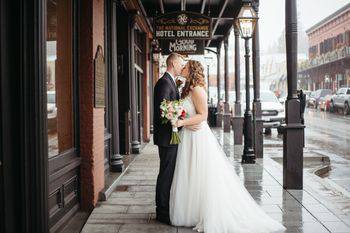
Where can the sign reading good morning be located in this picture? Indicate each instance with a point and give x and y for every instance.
(182, 46)
(183, 25)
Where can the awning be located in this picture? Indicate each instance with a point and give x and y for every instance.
(222, 13)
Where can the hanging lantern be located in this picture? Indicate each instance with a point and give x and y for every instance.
(246, 20)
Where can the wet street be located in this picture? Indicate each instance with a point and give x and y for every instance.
(329, 132)
(326, 135)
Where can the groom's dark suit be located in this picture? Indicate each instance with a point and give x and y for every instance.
(165, 88)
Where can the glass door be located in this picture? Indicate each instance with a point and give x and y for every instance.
(63, 198)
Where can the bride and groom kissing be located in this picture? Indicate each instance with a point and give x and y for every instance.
(197, 185)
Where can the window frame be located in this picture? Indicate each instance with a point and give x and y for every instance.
(75, 149)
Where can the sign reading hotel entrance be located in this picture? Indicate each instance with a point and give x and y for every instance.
(183, 25)
(182, 46)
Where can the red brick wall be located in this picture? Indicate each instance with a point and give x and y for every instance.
(332, 28)
(91, 119)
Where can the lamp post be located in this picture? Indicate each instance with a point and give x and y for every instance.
(246, 21)
(293, 130)
(208, 60)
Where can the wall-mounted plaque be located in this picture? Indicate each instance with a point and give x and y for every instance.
(182, 46)
(183, 25)
(100, 78)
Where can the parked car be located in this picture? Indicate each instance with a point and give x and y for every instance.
(341, 100)
(51, 104)
(314, 99)
(51, 112)
(272, 110)
(311, 95)
(325, 103)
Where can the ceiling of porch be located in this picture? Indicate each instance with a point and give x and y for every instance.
(222, 12)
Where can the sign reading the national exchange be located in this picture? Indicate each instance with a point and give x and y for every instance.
(182, 46)
(183, 25)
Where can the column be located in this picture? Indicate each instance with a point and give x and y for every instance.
(293, 130)
(237, 121)
(146, 108)
(257, 121)
(248, 151)
(116, 162)
(218, 108)
(208, 82)
(227, 114)
(135, 143)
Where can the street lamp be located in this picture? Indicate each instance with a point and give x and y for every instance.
(246, 21)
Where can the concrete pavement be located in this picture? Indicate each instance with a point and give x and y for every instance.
(130, 208)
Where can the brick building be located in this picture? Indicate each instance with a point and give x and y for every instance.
(328, 65)
(76, 85)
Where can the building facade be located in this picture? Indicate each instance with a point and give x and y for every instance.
(76, 84)
(77, 81)
(328, 65)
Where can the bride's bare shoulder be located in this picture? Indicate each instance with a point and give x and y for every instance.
(198, 91)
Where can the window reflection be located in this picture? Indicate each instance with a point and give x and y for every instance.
(59, 49)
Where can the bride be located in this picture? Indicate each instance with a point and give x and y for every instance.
(206, 193)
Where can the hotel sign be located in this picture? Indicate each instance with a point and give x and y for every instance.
(183, 25)
(182, 46)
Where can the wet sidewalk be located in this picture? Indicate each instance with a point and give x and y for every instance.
(130, 208)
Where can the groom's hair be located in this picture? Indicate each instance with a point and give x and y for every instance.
(172, 57)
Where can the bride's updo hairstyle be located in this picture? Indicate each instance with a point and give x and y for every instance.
(195, 77)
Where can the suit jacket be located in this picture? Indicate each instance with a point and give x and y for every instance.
(165, 88)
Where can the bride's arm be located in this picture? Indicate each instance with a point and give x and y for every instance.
(199, 98)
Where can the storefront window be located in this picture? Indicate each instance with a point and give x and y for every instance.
(59, 76)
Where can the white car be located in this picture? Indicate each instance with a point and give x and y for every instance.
(51, 105)
(272, 111)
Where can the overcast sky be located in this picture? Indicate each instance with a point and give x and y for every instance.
(310, 12)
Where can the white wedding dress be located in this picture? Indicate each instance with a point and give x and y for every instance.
(206, 193)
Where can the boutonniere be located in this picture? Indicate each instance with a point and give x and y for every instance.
(179, 83)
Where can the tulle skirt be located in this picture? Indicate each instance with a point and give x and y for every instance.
(207, 194)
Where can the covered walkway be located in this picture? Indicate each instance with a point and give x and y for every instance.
(131, 207)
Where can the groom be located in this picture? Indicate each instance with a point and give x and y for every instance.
(165, 88)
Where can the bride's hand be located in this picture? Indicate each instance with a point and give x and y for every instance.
(179, 123)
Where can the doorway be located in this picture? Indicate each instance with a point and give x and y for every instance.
(139, 64)
(139, 101)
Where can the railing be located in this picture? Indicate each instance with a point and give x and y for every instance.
(325, 58)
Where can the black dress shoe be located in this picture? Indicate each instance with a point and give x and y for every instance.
(163, 219)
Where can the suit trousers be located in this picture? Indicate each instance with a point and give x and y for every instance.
(167, 157)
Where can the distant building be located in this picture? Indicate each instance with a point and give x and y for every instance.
(273, 69)
(328, 65)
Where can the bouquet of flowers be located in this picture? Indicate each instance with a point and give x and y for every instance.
(172, 111)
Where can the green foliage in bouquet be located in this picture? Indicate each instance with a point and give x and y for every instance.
(172, 111)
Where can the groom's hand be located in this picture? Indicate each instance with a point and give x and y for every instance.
(193, 127)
